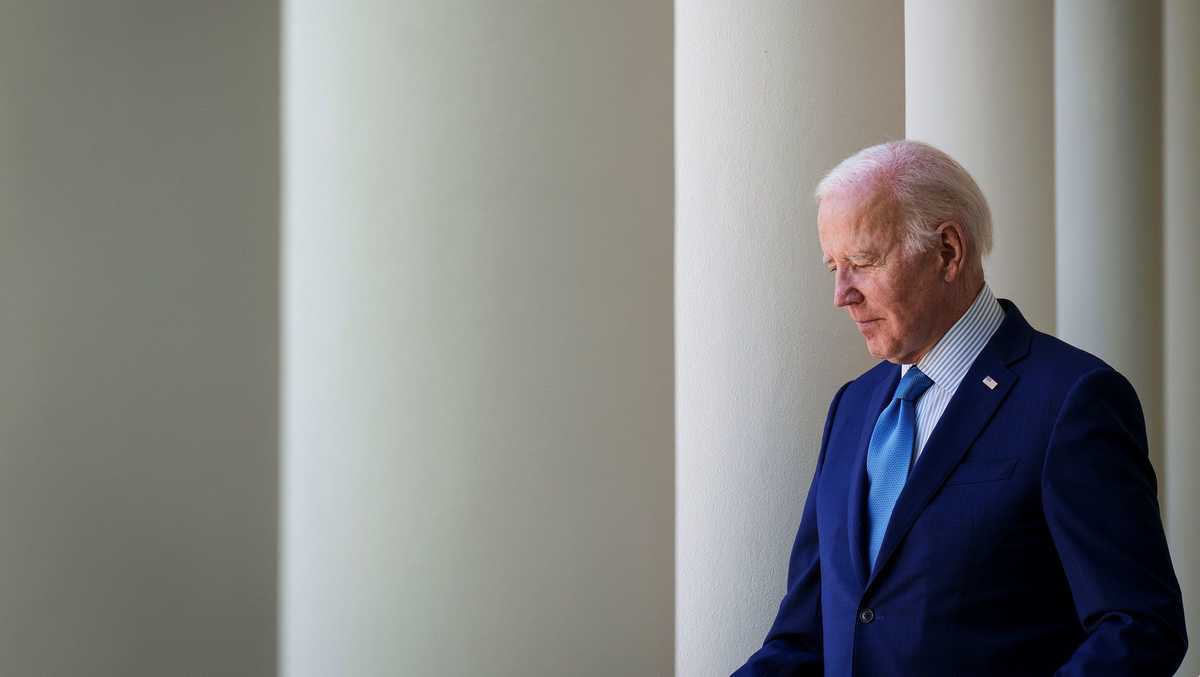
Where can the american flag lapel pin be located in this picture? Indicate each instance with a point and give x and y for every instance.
(989, 382)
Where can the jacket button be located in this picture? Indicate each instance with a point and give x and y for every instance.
(866, 616)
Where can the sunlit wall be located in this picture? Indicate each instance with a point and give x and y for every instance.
(478, 374)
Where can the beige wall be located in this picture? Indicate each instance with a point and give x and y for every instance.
(478, 343)
(1108, 178)
(138, 239)
(979, 81)
(769, 96)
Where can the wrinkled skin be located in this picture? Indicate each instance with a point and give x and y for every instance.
(902, 302)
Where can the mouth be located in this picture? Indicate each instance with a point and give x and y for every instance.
(865, 323)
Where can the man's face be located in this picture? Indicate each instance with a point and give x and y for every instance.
(896, 300)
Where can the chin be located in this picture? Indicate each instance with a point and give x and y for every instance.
(884, 353)
(876, 353)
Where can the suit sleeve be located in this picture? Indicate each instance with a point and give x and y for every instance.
(793, 644)
(1099, 496)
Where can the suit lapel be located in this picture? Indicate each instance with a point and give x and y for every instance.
(968, 413)
(857, 509)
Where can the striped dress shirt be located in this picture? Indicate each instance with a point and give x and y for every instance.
(950, 358)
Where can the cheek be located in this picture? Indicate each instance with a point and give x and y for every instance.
(885, 297)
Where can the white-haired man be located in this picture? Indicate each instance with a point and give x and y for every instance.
(983, 503)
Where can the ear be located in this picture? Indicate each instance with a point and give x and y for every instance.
(952, 250)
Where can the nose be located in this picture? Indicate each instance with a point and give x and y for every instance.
(844, 291)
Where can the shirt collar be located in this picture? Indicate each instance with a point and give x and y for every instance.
(947, 363)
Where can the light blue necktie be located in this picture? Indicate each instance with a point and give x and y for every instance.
(890, 453)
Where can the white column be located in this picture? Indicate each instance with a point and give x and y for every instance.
(979, 81)
(478, 344)
(1181, 149)
(138, 350)
(769, 96)
(1108, 176)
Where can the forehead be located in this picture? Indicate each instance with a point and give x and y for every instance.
(849, 223)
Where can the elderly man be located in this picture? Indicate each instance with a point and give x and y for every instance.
(983, 503)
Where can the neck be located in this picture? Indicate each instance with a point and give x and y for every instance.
(960, 299)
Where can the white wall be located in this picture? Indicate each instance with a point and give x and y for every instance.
(769, 96)
(1108, 177)
(979, 80)
(138, 222)
(478, 342)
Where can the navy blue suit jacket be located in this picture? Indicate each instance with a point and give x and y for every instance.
(1027, 540)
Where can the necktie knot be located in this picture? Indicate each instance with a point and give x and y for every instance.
(913, 385)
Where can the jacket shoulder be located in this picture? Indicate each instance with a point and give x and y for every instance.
(1058, 366)
(1053, 369)
(1051, 353)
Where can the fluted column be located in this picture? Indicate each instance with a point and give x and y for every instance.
(478, 347)
(1108, 178)
(769, 96)
(979, 81)
(1181, 148)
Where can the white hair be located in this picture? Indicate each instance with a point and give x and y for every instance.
(926, 186)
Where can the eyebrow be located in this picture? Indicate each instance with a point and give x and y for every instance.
(870, 256)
